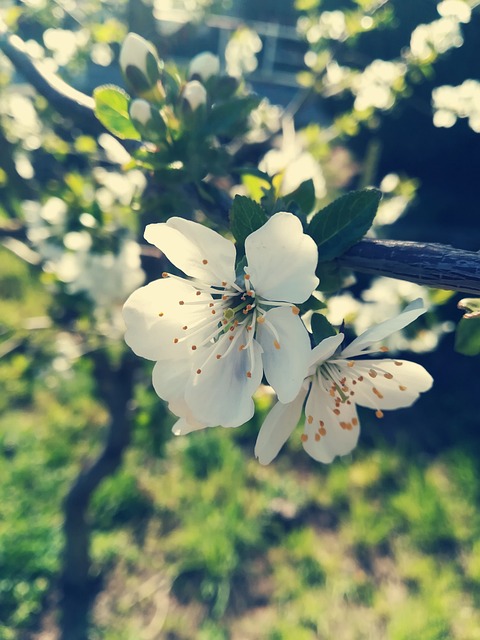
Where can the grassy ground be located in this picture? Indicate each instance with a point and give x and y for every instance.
(195, 540)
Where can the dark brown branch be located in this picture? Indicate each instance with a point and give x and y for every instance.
(116, 389)
(434, 265)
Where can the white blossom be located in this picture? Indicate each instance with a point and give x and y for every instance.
(337, 381)
(214, 335)
(204, 65)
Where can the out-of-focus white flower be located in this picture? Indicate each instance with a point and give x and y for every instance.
(294, 163)
(330, 24)
(64, 43)
(457, 9)
(462, 101)
(391, 209)
(263, 121)
(439, 36)
(204, 66)
(195, 94)
(214, 335)
(382, 300)
(240, 52)
(375, 86)
(336, 383)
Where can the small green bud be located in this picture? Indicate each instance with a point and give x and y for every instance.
(194, 94)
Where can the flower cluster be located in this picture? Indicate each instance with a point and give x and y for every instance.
(215, 333)
(178, 115)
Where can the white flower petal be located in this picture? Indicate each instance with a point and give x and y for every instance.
(222, 392)
(330, 431)
(169, 378)
(277, 427)
(286, 351)
(384, 329)
(154, 318)
(282, 260)
(325, 349)
(387, 384)
(183, 426)
(197, 250)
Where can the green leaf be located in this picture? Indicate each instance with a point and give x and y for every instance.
(321, 328)
(333, 277)
(246, 216)
(472, 305)
(111, 108)
(229, 118)
(303, 196)
(343, 222)
(467, 337)
(256, 183)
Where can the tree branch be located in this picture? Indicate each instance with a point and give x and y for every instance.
(61, 96)
(434, 265)
(116, 389)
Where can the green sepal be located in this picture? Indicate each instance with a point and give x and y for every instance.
(111, 108)
(321, 328)
(303, 197)
(136, 80)
(467, 337)
(343, 222)
(246, 216)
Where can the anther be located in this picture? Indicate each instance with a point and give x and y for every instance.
(213, 312)
(322, 431)
(379, 413)
(160, 315)
(354, 422)
(224, 284)
(377, 392)
(204, 261)
(336, 412)
(295, 311)
(185, 328)
(384, 349)
(388, 376)
(199, 371)
(304, 437)
(372, 373)
(210, 305)
(249, 374)
(399, 364)
(321, 423)
(164, 274)
(181, 302)
(360, 378)
(194, 347)
(218, 356)
(261, 320)
(241, 347)
(246, 276)
(198, 293)
(310, 419)
(350, 363)
(276, 344)
(317, 437)
(402, 388)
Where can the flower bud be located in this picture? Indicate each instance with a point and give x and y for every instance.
(195, 94)
(147, 120)
(204, 66)
(141, 112)
(141, 67)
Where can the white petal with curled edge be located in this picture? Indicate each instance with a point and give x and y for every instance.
(384, 329)
(286, 358)
(197, 250)
(222, 393)
(277, 428)
(388, 384)
(154, 318)
(183, 426)
(327, 434)
(325, 349)
(282, 260)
